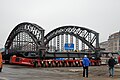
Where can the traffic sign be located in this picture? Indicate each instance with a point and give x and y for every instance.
(69, 46)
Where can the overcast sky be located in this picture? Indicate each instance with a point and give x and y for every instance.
(102, 16)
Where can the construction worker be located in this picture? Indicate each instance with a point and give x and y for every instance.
(0, 62)
(86, 64)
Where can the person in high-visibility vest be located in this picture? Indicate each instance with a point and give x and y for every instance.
(1, 62)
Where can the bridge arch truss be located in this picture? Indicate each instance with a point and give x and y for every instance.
(29, 37)
(25, 37)
(86, 36)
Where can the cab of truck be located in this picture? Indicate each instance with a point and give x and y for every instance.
(1, 63)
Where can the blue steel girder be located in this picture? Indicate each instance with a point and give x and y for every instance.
(33, 30)
(77, 32)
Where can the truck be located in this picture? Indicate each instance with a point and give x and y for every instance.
(1, 62)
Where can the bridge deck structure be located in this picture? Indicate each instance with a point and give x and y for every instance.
(28, 39)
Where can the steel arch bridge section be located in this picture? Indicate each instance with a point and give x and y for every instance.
(78, 33)
(35, 32)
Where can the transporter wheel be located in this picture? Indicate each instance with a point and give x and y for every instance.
(61, 64)
(46, 64)
(0, 69)
(53, 64)
(99, 63)
(71, 65)
(35, 64)
(67, 64)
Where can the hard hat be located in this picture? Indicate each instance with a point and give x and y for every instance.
(85, 55)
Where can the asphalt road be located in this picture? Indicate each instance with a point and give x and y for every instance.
(16, 72)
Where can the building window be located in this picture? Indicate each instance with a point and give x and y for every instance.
(115, 44)
(115, 48)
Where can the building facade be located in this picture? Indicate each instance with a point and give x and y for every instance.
(112, 44)
(104, 45)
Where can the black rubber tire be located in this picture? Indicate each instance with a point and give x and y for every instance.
(0, 69)
(35, 64)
